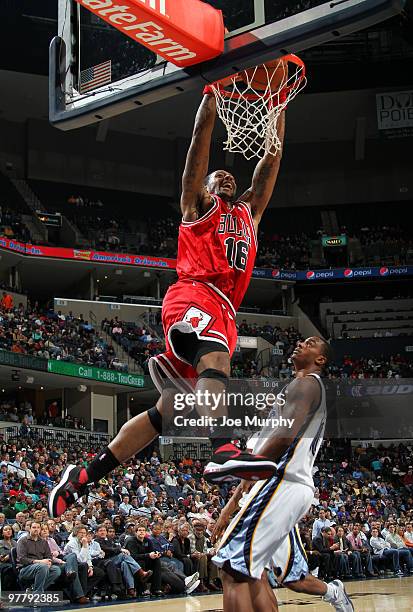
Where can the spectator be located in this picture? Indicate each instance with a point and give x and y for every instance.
(320, 523)
(68, 523)
(141, 549)
(339, 560)
(10, 510)
(322, 545)
(358, 544)
(7, 543)
(408, 536)
(171, 484)
(143, 490)
(35, 561)
(129, 532)
(354, 558)
(58, 536)
(121, 558)
(111, 572)
(6, 301)
(125, 507)
(172, 569)
(25, 531)
(181, 547)
(384, 550)
(77, 556)
(202, 551)
(145, 510)
(48, 335)
(393, 538)
(72, 572)
(20, 521)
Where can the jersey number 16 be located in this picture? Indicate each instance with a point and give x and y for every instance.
(237, 253)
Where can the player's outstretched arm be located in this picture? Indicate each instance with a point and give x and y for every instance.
(302, 399)
(194, 198)
(264, 178)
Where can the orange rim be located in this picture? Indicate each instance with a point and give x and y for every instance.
(293, 59)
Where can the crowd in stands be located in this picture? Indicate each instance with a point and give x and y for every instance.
(279, 251)
(281, 338)
(246, 367)
(381, 243)
(104, 231)
(162, 238)
(142, 343)
(105, 234)
(79, 202)
(350, 368)
(294, 250)
(139, 342)
(146, 528)
(52, 335)
(395, 366)
(11, 225)
(14, 411)
(360, 524)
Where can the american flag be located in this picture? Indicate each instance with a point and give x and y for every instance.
(95, 76)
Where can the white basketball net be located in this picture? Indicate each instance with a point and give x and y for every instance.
(251, 115)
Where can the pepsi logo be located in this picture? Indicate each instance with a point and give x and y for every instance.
(276, 273)
(384, 271)
(348, 273)
(310, 275)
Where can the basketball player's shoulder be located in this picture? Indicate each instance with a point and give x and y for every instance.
(303, 387)
(207, 204)
(243, 203)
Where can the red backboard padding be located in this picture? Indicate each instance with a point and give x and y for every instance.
(184, 32)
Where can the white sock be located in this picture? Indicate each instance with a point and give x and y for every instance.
(331, 594)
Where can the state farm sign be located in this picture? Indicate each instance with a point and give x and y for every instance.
(184, 32)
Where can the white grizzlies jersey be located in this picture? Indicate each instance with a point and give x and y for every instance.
(297, 463)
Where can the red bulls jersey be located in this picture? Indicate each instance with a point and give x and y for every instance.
(219, 249)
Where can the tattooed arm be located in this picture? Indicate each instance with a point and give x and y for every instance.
(195, 200)
(264, 179)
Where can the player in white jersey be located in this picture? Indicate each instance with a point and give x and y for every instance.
(264, 532)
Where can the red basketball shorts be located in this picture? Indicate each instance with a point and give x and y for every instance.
(193, 313)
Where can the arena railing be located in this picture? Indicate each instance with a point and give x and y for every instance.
(176, 449)
(52, 435)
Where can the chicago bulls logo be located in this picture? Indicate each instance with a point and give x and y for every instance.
(197, 319)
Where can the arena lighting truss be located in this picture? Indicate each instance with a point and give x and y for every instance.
(251, 44)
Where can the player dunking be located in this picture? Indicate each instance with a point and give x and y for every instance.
(216, 252)
(264, 532)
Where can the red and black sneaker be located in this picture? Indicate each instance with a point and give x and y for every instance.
(71, 487)
(229, 462)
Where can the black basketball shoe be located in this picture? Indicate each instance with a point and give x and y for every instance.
(71, 487)
(229, 462)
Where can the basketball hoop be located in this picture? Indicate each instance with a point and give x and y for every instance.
(250, 102)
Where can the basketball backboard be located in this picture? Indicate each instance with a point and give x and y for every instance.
(96, 72)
